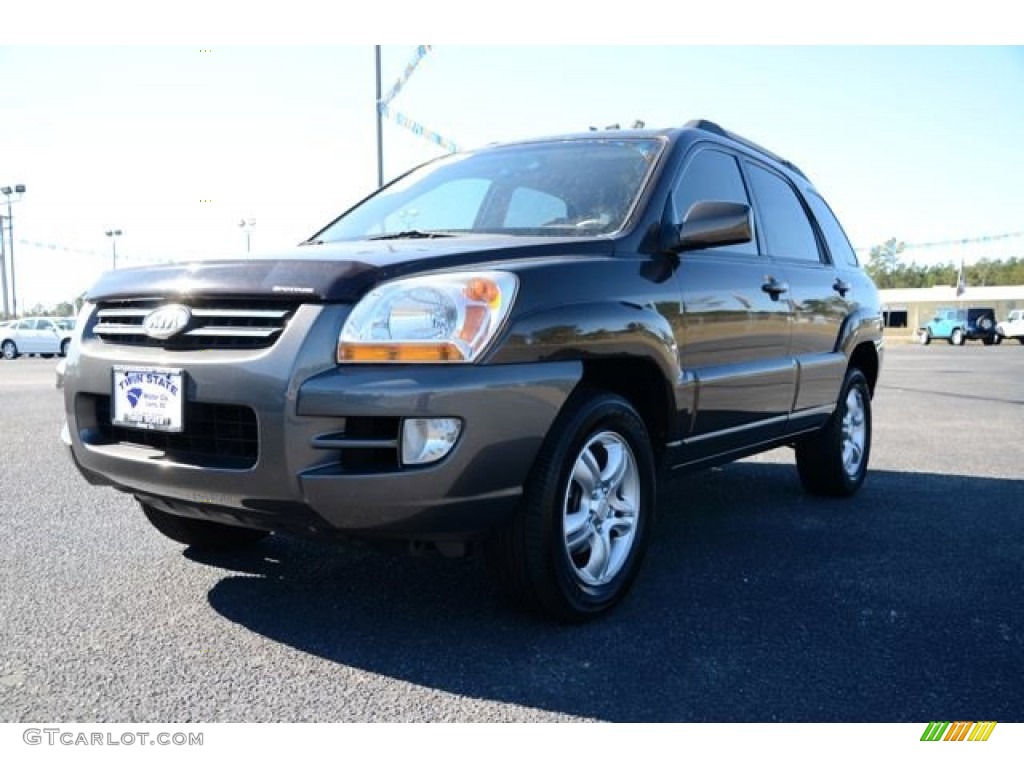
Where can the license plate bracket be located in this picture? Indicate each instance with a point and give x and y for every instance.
(149, 398)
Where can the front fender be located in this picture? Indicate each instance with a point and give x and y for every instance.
(592, 331)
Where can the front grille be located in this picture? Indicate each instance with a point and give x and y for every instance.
(214, 323)
(219, 436)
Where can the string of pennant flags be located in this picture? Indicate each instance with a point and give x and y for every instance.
(420, 53)
(403, 120)
(418, 129)
(966, 241)
(98, 254)
(960, 241)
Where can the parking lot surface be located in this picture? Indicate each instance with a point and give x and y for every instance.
(756, 603)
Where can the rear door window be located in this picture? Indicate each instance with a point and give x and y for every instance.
(787, 230)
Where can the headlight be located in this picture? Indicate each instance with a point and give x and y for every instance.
(447, 318)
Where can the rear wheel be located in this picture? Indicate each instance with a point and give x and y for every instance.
(957, 338)
(64, 347)
(925, 337)
(576, 542)
(834, 462)
(201, 534)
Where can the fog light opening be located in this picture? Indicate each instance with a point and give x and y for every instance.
(425, 441)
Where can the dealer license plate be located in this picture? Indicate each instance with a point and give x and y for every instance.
(148, 398)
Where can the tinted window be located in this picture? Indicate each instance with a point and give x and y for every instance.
(711, 176)
(838, 245)
(596, 181)
(530, 208)
(448, 206)
(787, 230)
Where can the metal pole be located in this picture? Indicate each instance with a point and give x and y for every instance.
(113, 234)
(380, 126)
(3, 265)
(10, 231)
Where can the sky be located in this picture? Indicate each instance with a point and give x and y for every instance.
(176, 143)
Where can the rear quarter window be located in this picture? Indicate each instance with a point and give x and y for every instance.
(835, 238)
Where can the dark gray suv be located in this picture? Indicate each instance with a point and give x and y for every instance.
(501, 351)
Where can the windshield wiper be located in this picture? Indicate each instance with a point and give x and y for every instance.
(409, 234)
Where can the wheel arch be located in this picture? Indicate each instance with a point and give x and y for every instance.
(865, 358)
(641, 383)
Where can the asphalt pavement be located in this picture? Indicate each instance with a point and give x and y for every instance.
(756, 603)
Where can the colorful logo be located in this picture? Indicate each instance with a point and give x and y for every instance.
(959, 730)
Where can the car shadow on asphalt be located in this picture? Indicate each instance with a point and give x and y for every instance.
(756, 603)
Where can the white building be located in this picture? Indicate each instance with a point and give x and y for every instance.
(912, 308)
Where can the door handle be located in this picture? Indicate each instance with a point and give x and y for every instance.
(841, 287)
(773, 287)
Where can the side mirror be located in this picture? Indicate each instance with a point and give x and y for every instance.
(708, 224)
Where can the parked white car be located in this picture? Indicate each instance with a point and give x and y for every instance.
(34, 336)
(1012, 327)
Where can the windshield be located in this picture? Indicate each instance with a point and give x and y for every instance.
(569, 188)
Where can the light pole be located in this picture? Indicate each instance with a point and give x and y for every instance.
(19, 190)
(113, 234)
(3, 266)
(380, 127)
(247, 226)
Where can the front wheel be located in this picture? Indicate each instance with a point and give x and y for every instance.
(834, 462)
(9, 350)
(957, 339)
(201, 534)
(576, 542)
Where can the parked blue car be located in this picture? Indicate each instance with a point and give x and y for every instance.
(959, 325)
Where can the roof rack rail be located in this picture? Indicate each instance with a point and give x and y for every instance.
(715, 128)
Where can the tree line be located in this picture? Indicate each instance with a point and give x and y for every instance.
(889, 270)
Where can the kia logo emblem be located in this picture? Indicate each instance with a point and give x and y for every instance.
(163, 322)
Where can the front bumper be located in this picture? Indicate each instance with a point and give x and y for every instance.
(328, 452)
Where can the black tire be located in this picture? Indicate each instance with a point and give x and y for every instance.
(988, 341)
(539, 560)
(201, 534)
(834, 462)
(64, 347)
(9, 350)
(925, 337)
(997, 339)
(957, 338)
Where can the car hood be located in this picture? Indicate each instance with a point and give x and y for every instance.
(334, 271)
